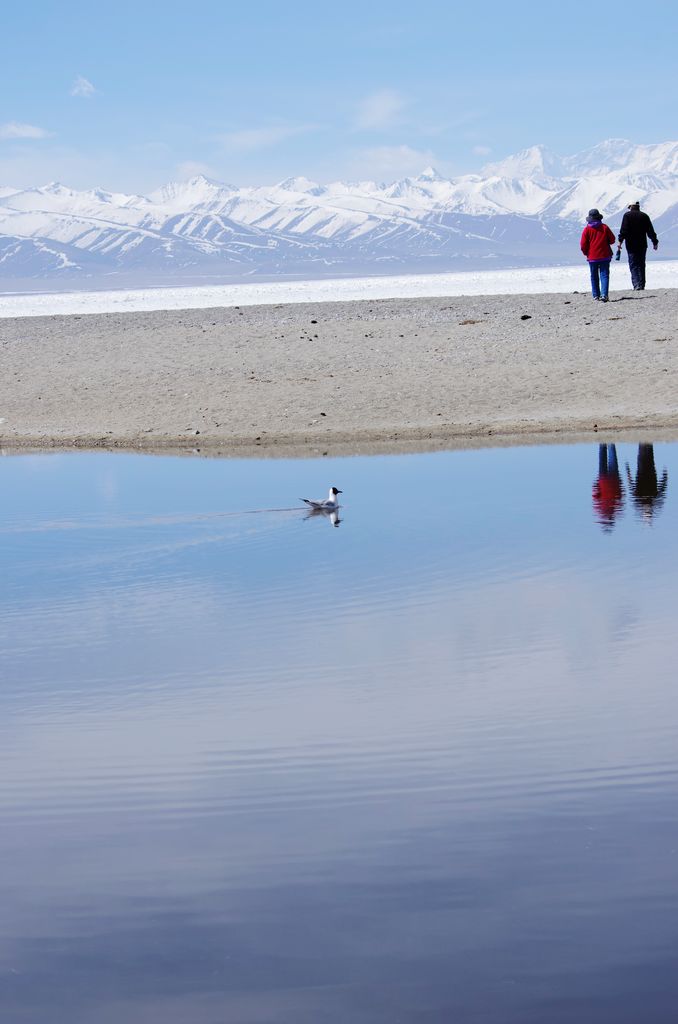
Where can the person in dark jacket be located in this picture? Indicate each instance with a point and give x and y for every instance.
(596, 244)
(636, 228)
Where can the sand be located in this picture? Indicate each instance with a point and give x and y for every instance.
(343, 376)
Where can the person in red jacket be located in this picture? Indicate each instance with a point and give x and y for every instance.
(596, 244)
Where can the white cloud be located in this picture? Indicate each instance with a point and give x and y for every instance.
(82, 87)
(481, 150)
(381, 109)
(388, 162)
(15, 130)
(249, 139)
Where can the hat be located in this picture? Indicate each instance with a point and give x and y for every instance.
(634, 206)
(595, 214)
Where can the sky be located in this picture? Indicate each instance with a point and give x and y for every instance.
(131, 95)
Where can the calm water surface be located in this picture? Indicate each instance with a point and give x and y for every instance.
(422, 767)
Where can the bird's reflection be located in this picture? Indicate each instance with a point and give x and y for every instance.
(332, 515)
(608, 493)
(647, 491)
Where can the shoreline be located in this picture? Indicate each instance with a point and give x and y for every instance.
(563, 278)
(343, 377)
(414, 442)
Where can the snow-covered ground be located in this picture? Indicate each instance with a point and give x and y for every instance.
(661, 274)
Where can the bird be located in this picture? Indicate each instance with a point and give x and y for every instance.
(330, 504)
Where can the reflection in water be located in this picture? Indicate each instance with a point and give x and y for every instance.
(252, 772)
(647, 492)
(608, 493)
(332, 515)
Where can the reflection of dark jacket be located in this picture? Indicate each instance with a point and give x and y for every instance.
(647, 491)
(636, 228)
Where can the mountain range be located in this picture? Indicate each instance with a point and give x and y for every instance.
(527, 210)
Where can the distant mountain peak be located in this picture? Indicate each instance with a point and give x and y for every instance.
(623, 155)
(202, 179)
(192, 193)
(527, 209)
(430, 174)
(55, 188)
(537, 160)
(605, 157)
(300, 184)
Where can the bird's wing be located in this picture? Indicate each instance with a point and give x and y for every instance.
(311, 504)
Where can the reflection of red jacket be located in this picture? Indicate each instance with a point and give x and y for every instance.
(596, 240)
(607, 497)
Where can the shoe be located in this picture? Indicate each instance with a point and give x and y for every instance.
(604, 298)
(596, 298)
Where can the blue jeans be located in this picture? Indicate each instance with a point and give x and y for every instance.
(600, 278)
(607, 460)
(637, 268)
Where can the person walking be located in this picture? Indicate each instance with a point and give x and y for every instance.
(596, 244)
(636, 228)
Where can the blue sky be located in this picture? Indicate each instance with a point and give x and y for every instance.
(131, 95)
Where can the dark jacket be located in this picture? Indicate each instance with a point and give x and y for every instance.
(636, 228)
(595, 242)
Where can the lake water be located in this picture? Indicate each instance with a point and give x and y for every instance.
(419, 767)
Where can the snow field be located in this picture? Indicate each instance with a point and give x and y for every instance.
(660, 274)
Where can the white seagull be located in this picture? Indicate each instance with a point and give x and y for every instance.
(330, 504)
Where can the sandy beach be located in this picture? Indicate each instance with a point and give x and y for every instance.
(343, 376)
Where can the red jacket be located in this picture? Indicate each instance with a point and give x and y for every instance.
(595, 242)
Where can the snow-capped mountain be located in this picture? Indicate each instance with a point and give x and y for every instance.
(525, 210)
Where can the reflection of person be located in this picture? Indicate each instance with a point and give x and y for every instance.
(596, 244)
(636, 228)
(608, 493)
(648, 493)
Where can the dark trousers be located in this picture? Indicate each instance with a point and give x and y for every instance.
(637, 268)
